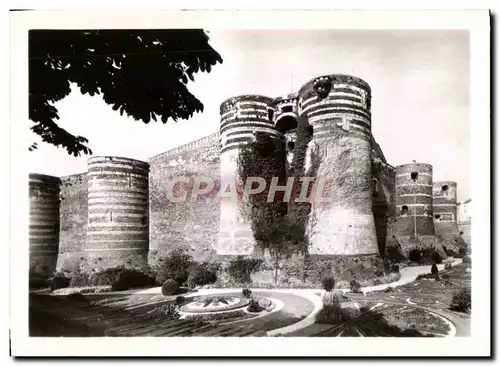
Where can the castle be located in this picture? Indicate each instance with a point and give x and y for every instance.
(119, 213)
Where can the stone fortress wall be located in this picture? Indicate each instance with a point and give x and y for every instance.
(119, 213)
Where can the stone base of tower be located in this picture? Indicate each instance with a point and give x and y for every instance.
(42, 266)
(400, 247)
(71, 261)
(307, 271)
(98, 261)
(341, 232)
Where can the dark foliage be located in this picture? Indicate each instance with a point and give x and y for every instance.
(272, 228)
(462, 251)
(254, 306)
(119, 278)
(241, 269)
(246, 292)
(355, 286)
(59, 281)
(328, 283)
(130, 278)
(37, 282)
(170, 287)
(394, 268)
(175, 266)
(415, 255)
(143, 73)
(179, 300)
(461, 301)
(201, 274)
(171, 312)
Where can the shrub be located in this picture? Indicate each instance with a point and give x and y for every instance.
(246, 292)
(169, 287)
(447, 265)
(254, 306)
(171, 312)
(59, 281)
(394, 268)
(328, 283)
(415, 255)
(355, 286)
(131, 278)
(174, 267)
(201, 274)
(241, 269)
(462, 251)
(461, 301)
(330, 314)
(389, 289)
(466, 259)
(80, 279)
(179, 300)
(434, 269)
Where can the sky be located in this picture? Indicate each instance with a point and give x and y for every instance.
(419, 81)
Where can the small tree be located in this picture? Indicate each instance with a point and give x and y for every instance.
(434, 269)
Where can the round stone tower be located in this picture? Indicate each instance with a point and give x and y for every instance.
(414, 200)
(444, 196)
(118, 209)
(43, 224)
(242, 118)
(339, 157)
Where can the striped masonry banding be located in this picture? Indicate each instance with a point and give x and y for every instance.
(414, 203)
(338, 109)
(44, 223)
(242, 117)
(118, 210)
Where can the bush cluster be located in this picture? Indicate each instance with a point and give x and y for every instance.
(246, 293)
(59, 281)
(201, 274)
(328, 283)
(355, 286)
(254, 306)
(241, 269)
(170, 287)
(175, 266)
(461, 301)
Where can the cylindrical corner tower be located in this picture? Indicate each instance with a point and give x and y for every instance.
(43, 224)
(242, 118)
(444, 196)
(414, 200)
(118, 209)
(339, 156)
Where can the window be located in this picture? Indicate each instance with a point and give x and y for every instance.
(404, 210)
(375, 187)
(287, 108)
(110, 216)
(437, 217)
(270, 114)
(461, 233)
(414, 176)
(444, 188)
